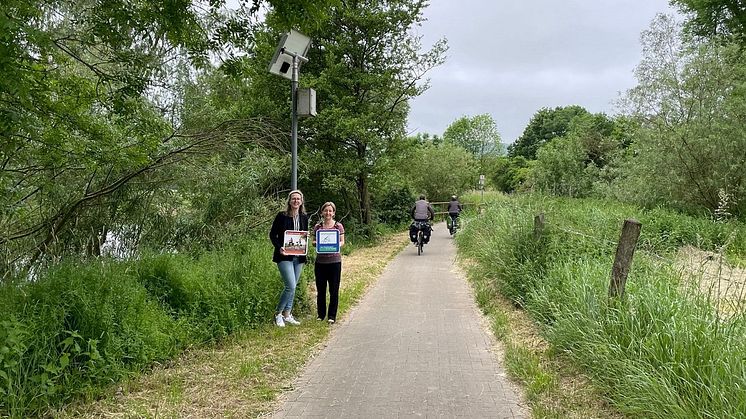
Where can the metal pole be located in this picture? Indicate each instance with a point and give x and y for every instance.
(294, 123)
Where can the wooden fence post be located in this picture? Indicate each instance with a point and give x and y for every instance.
(623, 259)
(538, 226)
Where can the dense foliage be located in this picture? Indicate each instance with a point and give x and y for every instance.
(477, 135)
(96, 144)
(79, 327)
(545, 125)
(725, 19)
(440, 171)
(689, 149)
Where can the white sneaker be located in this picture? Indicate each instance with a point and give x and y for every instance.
(279, 321)
(291, 320)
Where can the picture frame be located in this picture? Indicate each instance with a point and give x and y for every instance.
(295, 243)
(327, 241)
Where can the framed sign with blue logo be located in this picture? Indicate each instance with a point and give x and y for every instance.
(327, 240)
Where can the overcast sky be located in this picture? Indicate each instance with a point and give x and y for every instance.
(510, 58)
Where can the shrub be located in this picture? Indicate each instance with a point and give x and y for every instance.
(81, 326)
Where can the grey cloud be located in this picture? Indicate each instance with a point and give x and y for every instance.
(510, 58)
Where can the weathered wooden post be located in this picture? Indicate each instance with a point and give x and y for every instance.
(538, 226)
(623, 260)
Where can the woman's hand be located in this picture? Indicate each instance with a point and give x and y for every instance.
(282, 251)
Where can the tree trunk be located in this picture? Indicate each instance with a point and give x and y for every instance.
(362, 185)
(364, 196)
(96, 240)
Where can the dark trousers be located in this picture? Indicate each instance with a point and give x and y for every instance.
(330, 273)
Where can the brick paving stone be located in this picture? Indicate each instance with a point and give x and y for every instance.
(414, 347)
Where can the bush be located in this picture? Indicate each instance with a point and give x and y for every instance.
(394, 206)
(81, 326)
(78, 327)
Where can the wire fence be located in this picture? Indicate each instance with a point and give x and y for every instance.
(708, 274)
(445, 206)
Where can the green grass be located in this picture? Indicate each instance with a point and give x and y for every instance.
(81, 326)
(658, 352)
(243, 374)
(525, 365)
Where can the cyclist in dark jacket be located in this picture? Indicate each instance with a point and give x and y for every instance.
(454, 210)
(454, 207)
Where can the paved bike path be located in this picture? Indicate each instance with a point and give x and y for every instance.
(415, 346)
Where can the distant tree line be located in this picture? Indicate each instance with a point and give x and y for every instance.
(679, 139)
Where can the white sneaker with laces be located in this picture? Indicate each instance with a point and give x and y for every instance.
(291, 320)
(279, 321)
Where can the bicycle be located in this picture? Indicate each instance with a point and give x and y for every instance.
(452, 224)
(420, 240)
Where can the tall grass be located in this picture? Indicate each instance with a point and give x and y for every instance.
(82, 326)
(657, 352)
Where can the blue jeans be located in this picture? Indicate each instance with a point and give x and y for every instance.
(290, 273)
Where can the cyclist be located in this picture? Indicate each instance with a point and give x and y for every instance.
(422, 212)
(454, 209)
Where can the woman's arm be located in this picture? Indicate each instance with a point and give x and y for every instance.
(276, 232)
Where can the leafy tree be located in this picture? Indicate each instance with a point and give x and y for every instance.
(560, 168)
(715, 18)
(508, 174)
(393, 205)
(689, 149)
(477, 135)
(439, 171)
(544, 126)
(572, 164)
(596, 133)
(76, 124)
(427, 138)
(89, 106)
(367, 66)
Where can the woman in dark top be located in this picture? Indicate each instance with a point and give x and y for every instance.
(328, 266)
(293, 218)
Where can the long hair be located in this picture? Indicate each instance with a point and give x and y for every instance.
(301, 209)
